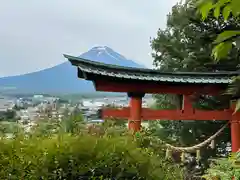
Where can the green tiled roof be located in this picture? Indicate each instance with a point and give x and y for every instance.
(119, 72)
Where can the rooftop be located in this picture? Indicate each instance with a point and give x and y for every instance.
(90, 70)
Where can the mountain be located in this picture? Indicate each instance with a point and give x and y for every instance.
(107, 55)
(62, 78)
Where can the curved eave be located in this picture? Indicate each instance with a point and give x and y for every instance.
(91, 70)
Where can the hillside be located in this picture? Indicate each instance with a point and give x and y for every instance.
(62, 78)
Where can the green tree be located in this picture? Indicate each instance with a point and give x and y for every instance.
(9, 115)
(228, 38)
(9, 128)
(73, 122)
(186, 45)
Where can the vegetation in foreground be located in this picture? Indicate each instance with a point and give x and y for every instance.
(67, 150)
(73, 150)
(224, 168)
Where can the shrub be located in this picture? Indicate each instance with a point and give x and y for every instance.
(224, 168)
(9, 128)
(65, 156)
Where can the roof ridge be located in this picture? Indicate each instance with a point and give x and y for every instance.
(77, 61)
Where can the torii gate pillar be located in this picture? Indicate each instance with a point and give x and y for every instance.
(235, 135)
(135, 104)
(235, 130)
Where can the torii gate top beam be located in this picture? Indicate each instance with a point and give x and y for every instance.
(112, 78)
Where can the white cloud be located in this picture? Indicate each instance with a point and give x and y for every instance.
(34, 34)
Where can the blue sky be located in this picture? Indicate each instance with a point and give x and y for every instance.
(35, 33)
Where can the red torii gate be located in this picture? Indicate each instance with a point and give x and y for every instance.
(138, 81)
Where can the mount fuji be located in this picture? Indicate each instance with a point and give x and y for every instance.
(63, 78)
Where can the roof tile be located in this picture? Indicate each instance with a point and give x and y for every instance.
(101, 69)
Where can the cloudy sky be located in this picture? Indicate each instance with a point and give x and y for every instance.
(35, 33)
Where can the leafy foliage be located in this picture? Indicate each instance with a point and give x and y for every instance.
(186, 45)
(75, 156)
(227, 38)
(224, 168)
(8, 115)
(72, 124)
(9, 128)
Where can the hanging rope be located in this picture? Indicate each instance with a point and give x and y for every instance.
(195, 147)
(198, 146)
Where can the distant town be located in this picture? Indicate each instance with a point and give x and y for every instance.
(27, 110)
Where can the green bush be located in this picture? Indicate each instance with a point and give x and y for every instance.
(224, 168)
(66, 156)
(9, 128)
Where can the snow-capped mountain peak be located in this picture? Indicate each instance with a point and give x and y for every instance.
(107, 55)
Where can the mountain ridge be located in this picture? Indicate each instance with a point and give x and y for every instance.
(62, 78)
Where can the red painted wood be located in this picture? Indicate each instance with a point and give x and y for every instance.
(235, 136)
(149, 114)
(134, 122)
(187, 104)
(235, 130)
(123, 113)
(111, 86)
